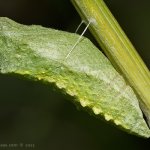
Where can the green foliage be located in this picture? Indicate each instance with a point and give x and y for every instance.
(39, 53)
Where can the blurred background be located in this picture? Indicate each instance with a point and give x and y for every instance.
(33, 115)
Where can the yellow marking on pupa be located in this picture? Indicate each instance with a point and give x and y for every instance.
(60, 85)
(84, 103)
(96, 110)
(117, 122)
(108, 117)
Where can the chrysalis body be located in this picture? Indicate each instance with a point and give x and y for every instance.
(87, 75)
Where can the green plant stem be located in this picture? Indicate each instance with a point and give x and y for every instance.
(117, 47)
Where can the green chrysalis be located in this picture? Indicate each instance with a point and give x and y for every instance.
(87, 75)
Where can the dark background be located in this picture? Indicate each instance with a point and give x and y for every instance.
(32, 113)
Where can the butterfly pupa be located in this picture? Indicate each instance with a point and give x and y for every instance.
(87, 76)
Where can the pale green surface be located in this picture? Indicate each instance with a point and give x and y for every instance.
(118, 48)
(39, 53)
